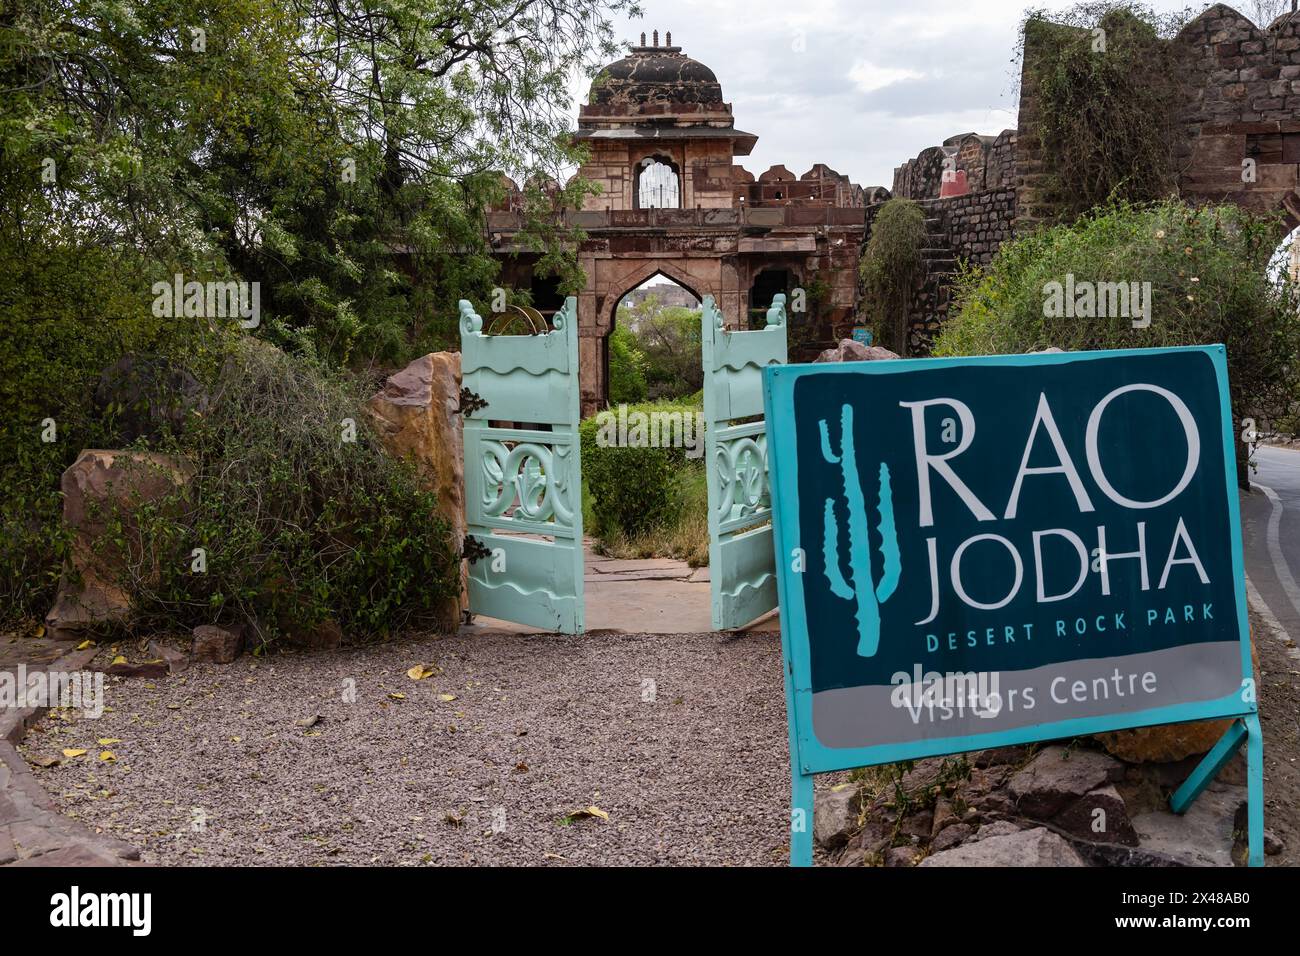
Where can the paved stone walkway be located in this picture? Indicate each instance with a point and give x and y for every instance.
(32, 831)
(649, 596)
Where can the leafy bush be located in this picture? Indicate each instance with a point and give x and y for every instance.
(632, 488)
(890, 270)
(626, 368)
(1210, 284)
(683, 534)
(301, 525)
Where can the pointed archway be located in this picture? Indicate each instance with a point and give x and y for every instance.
(659, 317)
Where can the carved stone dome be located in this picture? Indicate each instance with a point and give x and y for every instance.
(655, 74)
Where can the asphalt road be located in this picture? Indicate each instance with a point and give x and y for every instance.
(1270, 517)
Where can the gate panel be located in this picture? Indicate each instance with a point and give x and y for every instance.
(523, 484)
(742, 572)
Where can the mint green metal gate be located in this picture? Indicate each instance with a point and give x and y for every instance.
(742, 573)
(523, 484)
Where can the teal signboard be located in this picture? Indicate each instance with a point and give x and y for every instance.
(981, 552)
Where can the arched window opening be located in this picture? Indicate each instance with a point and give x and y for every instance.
(766, 285)
(658, 185)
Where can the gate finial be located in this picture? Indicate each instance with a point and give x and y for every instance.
(656, 38)
(470, 321)
(776, 312)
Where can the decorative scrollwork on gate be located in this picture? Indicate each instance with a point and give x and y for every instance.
(527, 480)
(741, 465)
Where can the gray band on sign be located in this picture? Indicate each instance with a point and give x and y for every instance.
(852, 717)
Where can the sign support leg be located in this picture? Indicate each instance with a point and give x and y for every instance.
(1243, 730)
(1255, 790)
(801, 815)
(1208, 768)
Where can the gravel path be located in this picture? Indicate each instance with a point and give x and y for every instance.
(214, 767)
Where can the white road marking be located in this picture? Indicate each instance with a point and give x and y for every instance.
(1275, 548)
(1256, 600)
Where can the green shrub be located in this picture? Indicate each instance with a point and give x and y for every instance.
(684, 532)
(632, 488)
(626, 368)
(301, 525)
(1208, 269)
(67, 312)
(890, 270)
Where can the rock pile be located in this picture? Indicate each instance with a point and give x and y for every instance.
(1014, 806)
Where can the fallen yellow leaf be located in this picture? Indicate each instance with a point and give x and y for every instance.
(107, 756)
(397, 696)
(446, 698)
(422, 671)
(592, 811)
(85, 644)
(118, 660)
(108, 741)
(74, 752)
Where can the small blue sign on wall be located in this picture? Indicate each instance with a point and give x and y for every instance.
(981, 552)
(863, 335)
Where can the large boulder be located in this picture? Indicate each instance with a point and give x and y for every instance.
(417, 415)
(850, 350)
(1165, 743)
(1203, 836)
(99, 487)
(1100, 816)
(1037, 847)
(1058, 777)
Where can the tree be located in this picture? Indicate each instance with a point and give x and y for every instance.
(669, 340)
(627, 383)
(891, 268)
(340, 152)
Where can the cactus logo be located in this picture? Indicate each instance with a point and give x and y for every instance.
(867, 594)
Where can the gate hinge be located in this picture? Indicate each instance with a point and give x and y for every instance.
(473, 549)
(470, 402)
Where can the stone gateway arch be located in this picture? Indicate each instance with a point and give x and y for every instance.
(673, 202)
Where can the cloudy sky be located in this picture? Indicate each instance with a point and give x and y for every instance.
(861, 85)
